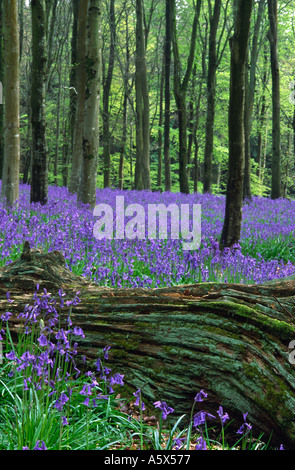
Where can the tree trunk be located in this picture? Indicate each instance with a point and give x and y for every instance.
(125, 106)
(250, 81)
(232, 340)
(57, 135)
(124, 143)
(73, 74)
(211, 92)
(160, 131)
(21, 27)
(87, 187)
(275, 72)
(10, 177)
(167, 55)
(81, 87)
(234, 196)
(39, 181)
(142, 167)
(262, 118)
(106, 100)
(1, 91)
(180, 89)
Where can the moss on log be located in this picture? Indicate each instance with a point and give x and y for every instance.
(230, 339)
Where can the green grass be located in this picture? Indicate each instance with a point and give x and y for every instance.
(280, 248)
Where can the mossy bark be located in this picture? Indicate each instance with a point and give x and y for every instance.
(230, 339)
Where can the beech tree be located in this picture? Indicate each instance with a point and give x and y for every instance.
(180, 89)
(80, 102)
(236, 163)
(90, 142)
(142, 168)
(1, 85)
(250, 82)
(167, 57)
(211, 91)
(39, 181)
(106, 98)
(10, 177)
(275, 71)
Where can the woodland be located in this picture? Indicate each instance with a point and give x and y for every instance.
(115, 343)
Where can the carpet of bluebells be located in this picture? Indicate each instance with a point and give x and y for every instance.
(266, 250)
(46, 401)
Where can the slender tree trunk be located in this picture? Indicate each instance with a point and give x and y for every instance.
(124, 143)
(87, 188)
(211, 92)
(10, 178)
(196, 164)
(142, 168)
(57, 137)
(125, 108)
(262, 114)
(180, 89)
(193, 126)
(1, 91)
(247, 171)
(168, 42)
(39, 181)
(81, 87)
(50, 15)
(293, 125)
(160, 132)
(21, 27)
(106, 99)
(275, 71)
(234, 195)
(250, 82)
(73, 73)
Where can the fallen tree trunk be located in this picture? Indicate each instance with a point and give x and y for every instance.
(231, 340)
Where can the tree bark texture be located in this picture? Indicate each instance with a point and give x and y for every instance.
(250, 81)
(231, 340)
(211, 93)
(90, 143)
(168, 43)
(39, 182)
(236, 165)
(142, 168)
(276, 107)
(10, 176)
(80, 104)
(106, 100)
(1, 92)
(180, 89)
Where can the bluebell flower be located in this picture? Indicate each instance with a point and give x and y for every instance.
(246, 427)
(223, 416)
(64, 420)
(105, 350)
(166, 410)
(200, 395)
(40, 446)
(5, 316)
(201, 444)
(42, 340)
(200, 418)
(11, 355)
(137, 394)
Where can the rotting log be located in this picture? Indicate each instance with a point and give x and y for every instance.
(232, 340)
